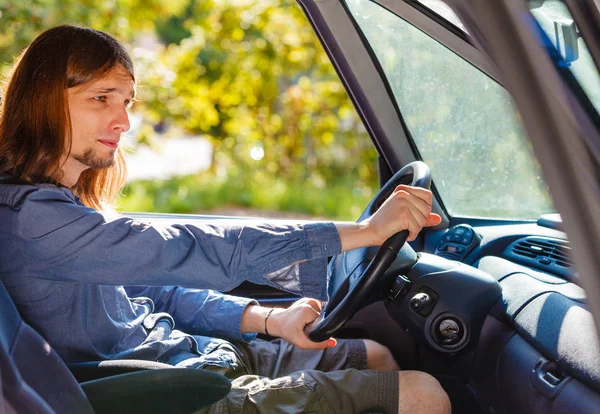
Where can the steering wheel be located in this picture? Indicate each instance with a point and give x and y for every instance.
(357, 275)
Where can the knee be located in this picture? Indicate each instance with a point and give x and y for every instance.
(422, 393)
(379, 357)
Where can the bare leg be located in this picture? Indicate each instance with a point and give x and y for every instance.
(421, 393)
(379, 357)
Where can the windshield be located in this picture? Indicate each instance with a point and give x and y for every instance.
(462, 121)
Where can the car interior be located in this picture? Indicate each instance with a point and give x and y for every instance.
(491, 301)
(36, 380)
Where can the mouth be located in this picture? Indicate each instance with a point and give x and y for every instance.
(109, 143)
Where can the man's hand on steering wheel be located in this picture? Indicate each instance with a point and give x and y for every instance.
(407, 208)
(289, 324)
(397, 214)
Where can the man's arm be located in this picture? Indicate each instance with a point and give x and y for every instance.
(65, 241)
(194, 310)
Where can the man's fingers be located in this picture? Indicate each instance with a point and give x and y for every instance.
(414, 226)
(411, 202)
(308, 344)
(433, 220)
(314, 345)
(315, 304)
(423, 193)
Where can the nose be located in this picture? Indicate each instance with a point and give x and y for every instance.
(121, 120)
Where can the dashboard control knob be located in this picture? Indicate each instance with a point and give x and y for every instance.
(419, 301)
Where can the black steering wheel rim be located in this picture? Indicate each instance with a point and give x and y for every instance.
(345, 304)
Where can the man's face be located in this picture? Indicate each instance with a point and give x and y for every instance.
(98, 111)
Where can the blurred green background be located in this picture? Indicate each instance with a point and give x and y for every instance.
(248, 76)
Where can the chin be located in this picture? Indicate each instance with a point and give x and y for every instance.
(101, 163)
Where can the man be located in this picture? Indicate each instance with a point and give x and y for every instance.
(105, 288)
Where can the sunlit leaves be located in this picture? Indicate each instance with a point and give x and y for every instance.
(255, 71)
(23, 20)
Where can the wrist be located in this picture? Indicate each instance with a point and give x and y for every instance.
(371, 233)
(356, 235)
(267, 322)
(253, 319)
(273, 323)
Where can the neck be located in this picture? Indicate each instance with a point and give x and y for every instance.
(71, 170)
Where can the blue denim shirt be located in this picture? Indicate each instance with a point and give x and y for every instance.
(100, 288)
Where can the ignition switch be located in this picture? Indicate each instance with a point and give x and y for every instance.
(449, 331)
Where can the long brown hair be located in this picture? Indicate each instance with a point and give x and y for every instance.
(35, 126)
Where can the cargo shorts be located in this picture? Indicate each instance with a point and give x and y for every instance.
(276, 377)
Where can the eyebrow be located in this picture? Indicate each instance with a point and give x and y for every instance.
(111, 90)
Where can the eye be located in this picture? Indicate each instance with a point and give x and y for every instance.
(128, 103)
(101, 98)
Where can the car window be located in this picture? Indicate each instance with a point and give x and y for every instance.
(462, 121)
(251, 82)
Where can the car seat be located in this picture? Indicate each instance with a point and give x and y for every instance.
(33, 378)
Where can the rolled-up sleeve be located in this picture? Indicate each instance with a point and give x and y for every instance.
(61, 239)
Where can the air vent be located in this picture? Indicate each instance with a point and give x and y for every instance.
(544, 251)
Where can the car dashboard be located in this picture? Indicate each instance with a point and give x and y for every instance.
(538, 349)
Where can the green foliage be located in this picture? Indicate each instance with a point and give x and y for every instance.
(22, 21)
(252, 74)
(203, 193)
